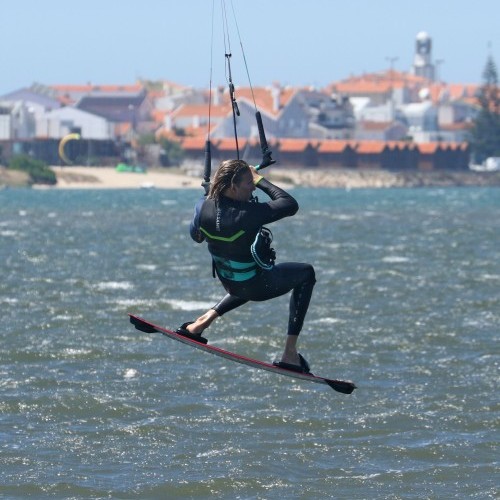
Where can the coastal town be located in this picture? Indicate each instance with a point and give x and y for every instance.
(390, 121)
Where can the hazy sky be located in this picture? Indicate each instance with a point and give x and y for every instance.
(295, 42)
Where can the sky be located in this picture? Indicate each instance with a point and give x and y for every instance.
(293, 42)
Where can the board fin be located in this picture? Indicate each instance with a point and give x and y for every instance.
(142, 326)
(343, 386)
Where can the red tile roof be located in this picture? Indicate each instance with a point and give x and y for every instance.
(158, 115)
(393, 145)
(323, 146)
(229, 144)
(428, 148)
(376, 83)
(370, 147)
(188, 110)
(293, 145)
(195, 143)
(332, 146)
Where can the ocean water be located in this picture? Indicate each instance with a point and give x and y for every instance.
(407, 305)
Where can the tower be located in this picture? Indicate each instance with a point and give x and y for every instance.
(422, 62)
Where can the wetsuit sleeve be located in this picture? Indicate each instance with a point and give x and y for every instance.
(194, 228)
(281, 205)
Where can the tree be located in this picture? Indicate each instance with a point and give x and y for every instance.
(171, 152)
(485, 133)
(39, 171)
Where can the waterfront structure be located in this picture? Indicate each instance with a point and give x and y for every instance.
(361, 120)
(59, 122)
(422, 60)
(287, 112)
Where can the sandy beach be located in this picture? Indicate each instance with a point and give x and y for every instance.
(110, 178)
(80, 177)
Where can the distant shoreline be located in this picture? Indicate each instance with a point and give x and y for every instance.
(355, 179)
(108, 178)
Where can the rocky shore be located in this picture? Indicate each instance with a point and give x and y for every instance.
(109, 178)
(352, 179)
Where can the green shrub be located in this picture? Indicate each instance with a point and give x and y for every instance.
(171, 153)
(38, 170)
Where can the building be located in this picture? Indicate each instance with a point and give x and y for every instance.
(422, 60)
(57, 123)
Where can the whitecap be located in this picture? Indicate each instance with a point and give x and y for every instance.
(189, 305)
(133, 302)
(114, 285)
(8, 300)
(67, 317)
(35, 259)
(147, 267)
(395, 259)
(130, 373)
(8, 233)
(490, 277)
(329, 321)
(76, 352)
(192, 267)
(342, 217)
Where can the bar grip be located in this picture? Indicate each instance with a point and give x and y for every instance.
(208, 167)
(266, 152)
(262, 134)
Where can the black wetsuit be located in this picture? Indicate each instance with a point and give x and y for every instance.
(230, 228)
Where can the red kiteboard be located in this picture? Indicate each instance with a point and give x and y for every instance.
(344, 386)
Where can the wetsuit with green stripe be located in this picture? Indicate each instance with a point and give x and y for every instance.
(230, 228)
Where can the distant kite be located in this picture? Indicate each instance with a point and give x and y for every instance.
(62, 143)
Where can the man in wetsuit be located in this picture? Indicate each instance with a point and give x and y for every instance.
(231, 221)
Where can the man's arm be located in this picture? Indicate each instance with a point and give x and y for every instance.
(194, 227)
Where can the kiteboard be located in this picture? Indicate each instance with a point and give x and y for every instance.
(343, 386)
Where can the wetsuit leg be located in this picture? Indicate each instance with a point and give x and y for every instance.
(228, 303)
(299, 302)
(280, 280)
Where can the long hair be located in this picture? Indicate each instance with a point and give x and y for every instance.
(228, 174)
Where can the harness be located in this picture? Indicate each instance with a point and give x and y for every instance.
(233, 270)
(263, 257)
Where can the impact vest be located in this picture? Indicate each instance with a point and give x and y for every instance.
(237, 254)
(239, 243)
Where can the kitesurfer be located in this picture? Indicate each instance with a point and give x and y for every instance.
(231, 221)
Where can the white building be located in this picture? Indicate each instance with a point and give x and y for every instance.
(5, 124)
(60, 122)
(421, 119)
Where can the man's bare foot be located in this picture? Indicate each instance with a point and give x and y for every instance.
(291, 358)
(204, 321)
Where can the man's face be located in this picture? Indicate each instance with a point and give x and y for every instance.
(242, 191)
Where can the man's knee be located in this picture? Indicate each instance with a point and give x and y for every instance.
(311, 274)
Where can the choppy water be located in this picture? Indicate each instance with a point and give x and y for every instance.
(407, 305)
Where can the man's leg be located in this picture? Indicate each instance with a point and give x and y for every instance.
(228, 303)
(299, 304)
(290, 354)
